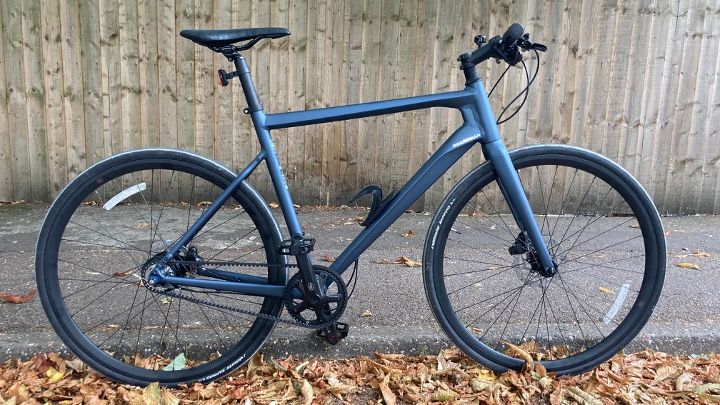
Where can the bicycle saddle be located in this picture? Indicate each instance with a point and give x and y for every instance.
(221, 38)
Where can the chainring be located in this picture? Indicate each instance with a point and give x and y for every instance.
(303, 311)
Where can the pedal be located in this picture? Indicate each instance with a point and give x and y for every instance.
(334, 333)
(296, 246)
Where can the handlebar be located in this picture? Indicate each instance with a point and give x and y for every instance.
(505, 48)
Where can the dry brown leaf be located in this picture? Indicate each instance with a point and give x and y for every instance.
(329, 258)
(366, 313)
(408, 234)
(403, 260)
(522, 353)
(582, 397)
(123, 274)
(606, 290)
(663, 373)
(682, 382)
(17, 298)
(688, 265)
(443, 396)
(388, 396)
(700, 253)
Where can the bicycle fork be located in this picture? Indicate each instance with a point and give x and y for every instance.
(514, 193)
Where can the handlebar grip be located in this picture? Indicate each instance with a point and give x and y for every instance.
(513, 33)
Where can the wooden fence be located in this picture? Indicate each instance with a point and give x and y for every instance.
(637, 80)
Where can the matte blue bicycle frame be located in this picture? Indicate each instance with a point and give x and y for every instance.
(479, 126)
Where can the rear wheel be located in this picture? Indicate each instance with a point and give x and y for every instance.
(96, 249)
(603, 232)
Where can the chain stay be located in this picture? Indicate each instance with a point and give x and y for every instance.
(200, 301)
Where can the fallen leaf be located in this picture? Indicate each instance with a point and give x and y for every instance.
(522, 353)
(663, 373)
(403, 260)
(366, 313)
(307, 392)
(54, 375)
(151, 393)
(329, 258)
(443, 396)
(123, 274)
(166, 300)
(17, 298)
(582, 397)
(274, 205)
(688, 265)
(700, 253)
(606, 290)
(178, 363)
(408, 234)
(682, 382)
(388, 396)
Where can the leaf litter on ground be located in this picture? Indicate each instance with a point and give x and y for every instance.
(449, 377)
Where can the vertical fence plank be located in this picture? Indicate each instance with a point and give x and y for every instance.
(129, 74)
(297, 23)
(6, 167)
(148, 71)
(352, 63)
(698, 77)
(92, 80)
(53, 83)
(16, 98)
(33, 70)
(368, 134)
(672, 98)
(72, 90)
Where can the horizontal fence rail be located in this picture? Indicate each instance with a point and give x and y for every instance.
(636, 80)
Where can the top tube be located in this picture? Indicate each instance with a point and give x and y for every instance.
(453, 99)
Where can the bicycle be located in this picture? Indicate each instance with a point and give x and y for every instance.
(140, 276)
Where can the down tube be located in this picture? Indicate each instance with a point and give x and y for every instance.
(450, 151)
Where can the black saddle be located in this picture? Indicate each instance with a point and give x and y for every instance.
(217, 39)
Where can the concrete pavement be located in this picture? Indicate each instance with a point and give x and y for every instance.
(686, 319)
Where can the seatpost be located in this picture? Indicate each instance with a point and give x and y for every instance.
(243, 72)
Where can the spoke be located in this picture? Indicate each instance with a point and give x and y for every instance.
(502, 259)
(485, 232)
(562, 211)
(577, 210)
(483, 280)
(232, 244)
(510, 232)
(210, 323)
(217, 225)
(142, 194)
(483, 270)
(590, 222)
(123, 243)
(596, 236)
(582, 306)
(595, 251)
(89, 304)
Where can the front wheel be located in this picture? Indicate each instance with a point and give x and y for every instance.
(604, 234)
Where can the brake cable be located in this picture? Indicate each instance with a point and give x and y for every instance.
(525, 91)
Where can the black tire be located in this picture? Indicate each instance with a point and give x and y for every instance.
(463, 236)
(87, 244)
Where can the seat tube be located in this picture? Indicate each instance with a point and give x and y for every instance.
(255, 109)
(496, 153)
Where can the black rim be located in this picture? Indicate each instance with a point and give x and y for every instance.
(504, 299)
(94, 327)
